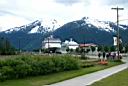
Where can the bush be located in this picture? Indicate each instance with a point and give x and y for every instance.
(6, 72)
(87, 65)
(71, 64)
(24, 66)
(1, 63)
(117, 60)
(83, 56)
(22, 70)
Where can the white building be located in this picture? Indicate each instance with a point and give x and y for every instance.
(51, 42)
(70, 44)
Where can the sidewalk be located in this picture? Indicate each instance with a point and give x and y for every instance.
(88, 79)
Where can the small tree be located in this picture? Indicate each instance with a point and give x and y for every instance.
(112, 48)
(5, 47)
(87, 50)
(126, 48)
(67, 49)
(81, 50)
(71, 50)
(99, 48)
(93, 48)
(121, 48)
(78, 50)
(106, 48)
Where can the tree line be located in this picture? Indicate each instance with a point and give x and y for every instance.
(101, 48)
(5, 47)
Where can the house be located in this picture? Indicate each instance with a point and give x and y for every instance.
(88, 47)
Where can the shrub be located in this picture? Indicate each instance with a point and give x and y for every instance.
(13, 62)
(87, 65)
(22, 70)
(117, 60)
(6, 72)
(59, 64)
(1, 63)
(71, 64)
(83, 56)
(24, 66)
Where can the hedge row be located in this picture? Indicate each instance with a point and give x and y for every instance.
(24, 66)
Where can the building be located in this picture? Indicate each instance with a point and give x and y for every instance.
(70, 44)
(88, 47)
(50, 43)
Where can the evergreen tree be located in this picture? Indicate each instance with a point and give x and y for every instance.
(126, 48)
(121, 48)
(112, 48)
(106, 48)
(5, 47)
(93, 48)
(99, 48)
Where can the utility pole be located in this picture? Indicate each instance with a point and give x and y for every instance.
(19, 46)
(48, 46)
(118, 32)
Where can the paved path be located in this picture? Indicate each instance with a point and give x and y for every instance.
(91, 78)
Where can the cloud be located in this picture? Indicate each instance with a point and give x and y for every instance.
(62, 10)
(115, 2)
(9, 13)
(68, 2)
(9, 21)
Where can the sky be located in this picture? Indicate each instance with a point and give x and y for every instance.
(14, 13)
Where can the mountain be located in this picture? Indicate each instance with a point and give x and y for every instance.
(30, 36)
(85, 30)
(35, 27)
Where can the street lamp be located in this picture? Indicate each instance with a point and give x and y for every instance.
(118, 33)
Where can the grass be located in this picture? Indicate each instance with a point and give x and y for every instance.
(119, 79)
(56, 77)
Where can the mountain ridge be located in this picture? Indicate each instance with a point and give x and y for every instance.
(85, 30)
(37, 26)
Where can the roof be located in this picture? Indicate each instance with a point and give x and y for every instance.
(71, 42)
(52, 40)
(87, 45)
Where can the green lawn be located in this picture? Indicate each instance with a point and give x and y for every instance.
(52, 78)
(119, 79)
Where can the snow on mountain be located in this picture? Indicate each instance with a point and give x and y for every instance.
(123, 27)
(34, 30)
(23, 28)
(51, 24)
(102, 25)
(45, 25)
(38, 26)
(14, 29)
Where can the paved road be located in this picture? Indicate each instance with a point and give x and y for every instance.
(93, 77)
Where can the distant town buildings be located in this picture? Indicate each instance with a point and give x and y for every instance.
(58, 45)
